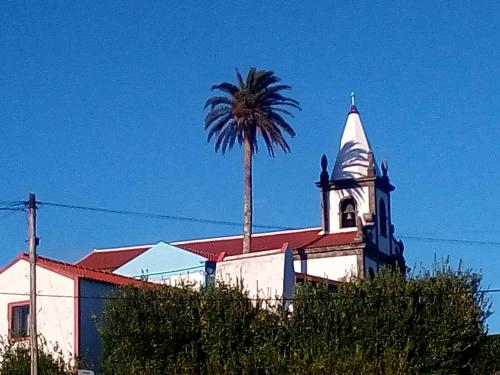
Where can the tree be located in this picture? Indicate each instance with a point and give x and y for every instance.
(255, 107)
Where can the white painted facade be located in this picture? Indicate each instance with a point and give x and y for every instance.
(194, 278)
(333, 268)
(360, 195)
(267, 274)
(55, 315)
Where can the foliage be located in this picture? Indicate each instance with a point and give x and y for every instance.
(431, 323)
(252, 107)
(16, 360)
(488, 360)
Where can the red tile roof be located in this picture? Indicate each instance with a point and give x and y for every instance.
(211, 248)
(297, 239)
(111, 259)
(73, 271)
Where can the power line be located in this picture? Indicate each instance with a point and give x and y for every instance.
(150, 215)
(171, 271)
(233, 223)
(11, 206)
(452, 240)
(157, 215)
(183, 298)
(12, 202)
(8, 214)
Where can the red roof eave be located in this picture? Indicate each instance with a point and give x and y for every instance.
(72, 271)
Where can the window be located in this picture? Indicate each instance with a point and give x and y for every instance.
(348, 213)
(19, 320)
(383, 218)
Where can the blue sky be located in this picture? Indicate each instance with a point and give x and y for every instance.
(101, 104)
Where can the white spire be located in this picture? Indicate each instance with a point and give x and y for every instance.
(353, 157)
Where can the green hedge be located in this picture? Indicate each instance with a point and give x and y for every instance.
(431, 323)
(15, 360)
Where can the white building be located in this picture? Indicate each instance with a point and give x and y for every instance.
(69, 298)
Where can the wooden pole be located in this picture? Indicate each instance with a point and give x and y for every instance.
(32, 243)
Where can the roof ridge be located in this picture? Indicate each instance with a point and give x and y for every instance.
(67, 264)
(125, 248)
(111, 249)
(70, 266)
(85, 257)
(261, 234)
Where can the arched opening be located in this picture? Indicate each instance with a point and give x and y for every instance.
(348, 213)
(383, 218)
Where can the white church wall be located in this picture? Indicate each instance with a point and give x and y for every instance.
(193, 278)
(360, 195)
(333, 268)
(266, 275)
(55, 315)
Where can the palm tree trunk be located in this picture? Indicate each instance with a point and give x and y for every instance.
(247, 202)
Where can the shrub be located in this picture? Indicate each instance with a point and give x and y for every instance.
(430, 323)
(15, 360)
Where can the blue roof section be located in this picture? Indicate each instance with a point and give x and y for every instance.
(162, 261)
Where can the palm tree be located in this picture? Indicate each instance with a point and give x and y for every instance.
(255, 107)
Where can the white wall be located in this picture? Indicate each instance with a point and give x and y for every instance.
(195, 278)
(55, 316)
(333, 268)
(359, 194)
(263, 276)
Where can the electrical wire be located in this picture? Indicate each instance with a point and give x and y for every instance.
(308, 298)
(150, 215)
(171, 271)
(452, 240)
(7, 214)
(14, 203)
(156, 215)
(238, 224)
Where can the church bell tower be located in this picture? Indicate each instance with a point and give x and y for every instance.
(357, 196)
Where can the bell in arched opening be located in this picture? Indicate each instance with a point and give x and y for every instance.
(348, 213)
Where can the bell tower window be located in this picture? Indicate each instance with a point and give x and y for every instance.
(348, 213)
(383, 218)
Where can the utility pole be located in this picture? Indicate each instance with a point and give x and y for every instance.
(32, 243)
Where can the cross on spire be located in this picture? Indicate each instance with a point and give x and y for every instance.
(353, 104)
